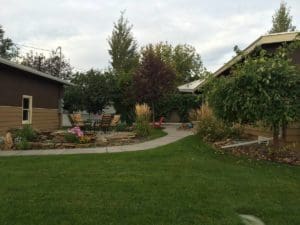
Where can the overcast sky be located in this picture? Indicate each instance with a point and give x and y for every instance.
(82, 27)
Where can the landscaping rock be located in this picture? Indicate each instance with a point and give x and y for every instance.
(68, 145)
(47, 145)
(83, 145)
(36, 145)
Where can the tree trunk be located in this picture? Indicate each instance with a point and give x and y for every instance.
(153, 115)
(284, 127)
(275, 135)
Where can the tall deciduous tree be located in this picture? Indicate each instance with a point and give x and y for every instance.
(91, 92)
(184, 59)
(54, 64)
(282, 20)
(153, 79)
(262, 88)
(7, 48)
(124, 61)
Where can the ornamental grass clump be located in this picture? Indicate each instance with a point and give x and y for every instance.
(211, 129)
(143, 115)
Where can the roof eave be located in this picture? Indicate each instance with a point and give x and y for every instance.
(33, 71)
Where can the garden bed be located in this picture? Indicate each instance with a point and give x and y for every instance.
(285, 153)
(27, 138)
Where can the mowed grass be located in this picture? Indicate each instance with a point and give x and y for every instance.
(181, 183)
(156, 133)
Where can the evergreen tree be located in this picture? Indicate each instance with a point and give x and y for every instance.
(124, 61)
(123, 47)
(282, 20)
(7, 48)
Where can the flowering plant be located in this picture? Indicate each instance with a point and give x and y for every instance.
(77, 131)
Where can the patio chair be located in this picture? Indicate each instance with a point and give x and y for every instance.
(115, 121)
(105, 122)
(76, 120)
(158, 123)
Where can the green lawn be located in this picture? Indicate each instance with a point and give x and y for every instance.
(156, 133)
(182, 183)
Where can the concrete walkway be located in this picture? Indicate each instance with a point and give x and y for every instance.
(172, 136)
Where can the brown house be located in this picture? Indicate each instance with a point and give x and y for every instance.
(270, 43)
(28, 96)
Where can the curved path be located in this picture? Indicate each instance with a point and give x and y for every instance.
(172, 136)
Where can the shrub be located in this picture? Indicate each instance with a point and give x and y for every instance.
(23, 144)
(121, 126)
(26, 133)
(211, 129)
(143, 114)
(71, 138)
(84, 139)
(181, 103)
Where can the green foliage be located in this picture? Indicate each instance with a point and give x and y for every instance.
(8, 50)
(23, 144)
(73, 99)
(184, 60)
(92, 92)
(54, 64)
(211, 129)
(123, 47)
(121, 126)
(282, 20)
(124, 61)
(178, 102)
(261, 88)
(26, 133)
(71, 138)
(142, 128)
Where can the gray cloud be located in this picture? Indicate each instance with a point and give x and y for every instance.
(82, 27)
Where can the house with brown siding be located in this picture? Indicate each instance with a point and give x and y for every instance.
(28, 96)
(270, 43)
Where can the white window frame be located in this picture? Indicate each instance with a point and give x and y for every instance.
(29, 121)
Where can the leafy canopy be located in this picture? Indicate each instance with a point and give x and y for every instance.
(263, 88)
(91, 92)
(184, 59)
(153, 79)
(53, 64)
(8, 50)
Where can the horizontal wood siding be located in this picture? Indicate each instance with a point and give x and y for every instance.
(292, 133)
(10, 117)
(45, 119)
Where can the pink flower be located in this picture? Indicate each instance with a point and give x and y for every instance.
(76, 130)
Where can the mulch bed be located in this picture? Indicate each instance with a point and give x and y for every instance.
(286, 153)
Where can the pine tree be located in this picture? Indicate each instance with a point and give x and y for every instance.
(282, 20)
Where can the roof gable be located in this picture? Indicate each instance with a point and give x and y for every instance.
(32, 71)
